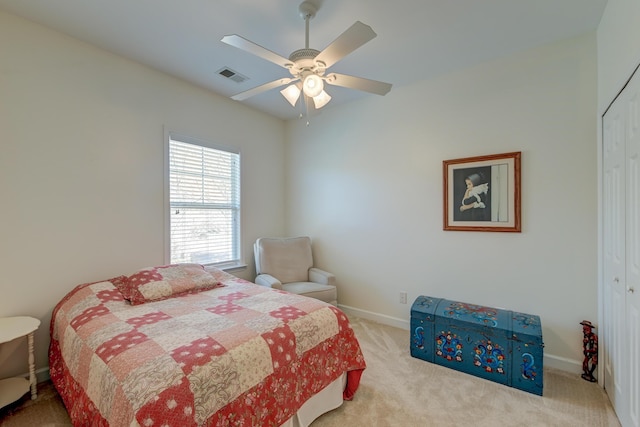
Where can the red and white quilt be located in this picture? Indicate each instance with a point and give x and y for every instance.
(235, 355)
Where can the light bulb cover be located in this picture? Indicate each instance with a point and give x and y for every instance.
(291, 94)
(321, 100)
(312, 85)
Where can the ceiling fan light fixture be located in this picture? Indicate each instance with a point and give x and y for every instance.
(291, 94)
(321, 100)
(312, 85)
(308, 66)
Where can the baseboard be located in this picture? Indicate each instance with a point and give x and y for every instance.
(42, 374)
(561, 363)
(376, 317)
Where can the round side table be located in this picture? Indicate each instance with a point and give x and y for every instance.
(11, 328)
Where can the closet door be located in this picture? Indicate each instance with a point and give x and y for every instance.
(620, 347)
(612, 347)
(633, 247)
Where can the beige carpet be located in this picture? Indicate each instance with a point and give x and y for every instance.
(400, 391)
(46, 411)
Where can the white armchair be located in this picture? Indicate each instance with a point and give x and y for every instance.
(287, 264)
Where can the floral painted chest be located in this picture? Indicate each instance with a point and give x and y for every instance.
(495, 344)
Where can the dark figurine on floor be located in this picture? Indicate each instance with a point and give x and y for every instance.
(590, 351)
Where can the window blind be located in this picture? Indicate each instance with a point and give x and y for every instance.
(204, 203)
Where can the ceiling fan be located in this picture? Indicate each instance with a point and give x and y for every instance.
(308, 66)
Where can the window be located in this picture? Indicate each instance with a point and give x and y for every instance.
(204, 203)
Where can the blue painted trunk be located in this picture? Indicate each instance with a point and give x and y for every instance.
(498, 345)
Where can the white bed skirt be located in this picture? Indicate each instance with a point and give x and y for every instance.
(329, 398)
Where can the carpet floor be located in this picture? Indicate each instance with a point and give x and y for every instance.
(400, 391)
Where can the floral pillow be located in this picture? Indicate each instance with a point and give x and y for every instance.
(158, 283)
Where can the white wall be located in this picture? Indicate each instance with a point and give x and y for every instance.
(365, 181)
(618, 48)
(81, 167)
(81, 180)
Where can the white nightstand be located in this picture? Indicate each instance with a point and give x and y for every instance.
(11, 328)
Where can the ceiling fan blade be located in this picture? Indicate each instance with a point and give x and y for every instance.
(354, 37)
(359, 83)
(249, 46)
(262, 88)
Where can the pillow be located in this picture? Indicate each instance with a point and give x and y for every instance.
(158, 283)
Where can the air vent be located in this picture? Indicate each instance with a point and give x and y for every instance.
(232, 75)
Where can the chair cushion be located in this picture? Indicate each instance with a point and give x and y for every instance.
(326, 293)
(287, 259)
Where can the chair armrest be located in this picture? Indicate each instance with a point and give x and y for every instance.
(268, 281)
(321, 276)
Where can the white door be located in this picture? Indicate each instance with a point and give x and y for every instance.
(633, 247)
(620, 349)
(613, 345)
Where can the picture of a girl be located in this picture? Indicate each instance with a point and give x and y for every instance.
(474, 196)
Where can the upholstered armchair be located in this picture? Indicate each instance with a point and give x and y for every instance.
(287, 264)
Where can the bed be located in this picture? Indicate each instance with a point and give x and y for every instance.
(182, 345)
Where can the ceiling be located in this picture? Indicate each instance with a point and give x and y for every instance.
(416, 39)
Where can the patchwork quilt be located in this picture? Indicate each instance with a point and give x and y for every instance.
(238, 354)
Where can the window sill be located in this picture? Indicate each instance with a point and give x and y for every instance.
(229, 267)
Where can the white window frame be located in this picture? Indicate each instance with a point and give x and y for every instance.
(236, 259)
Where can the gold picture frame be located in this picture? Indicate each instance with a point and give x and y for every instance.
(482, 193)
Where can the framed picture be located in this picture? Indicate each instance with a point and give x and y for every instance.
(482, 193)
